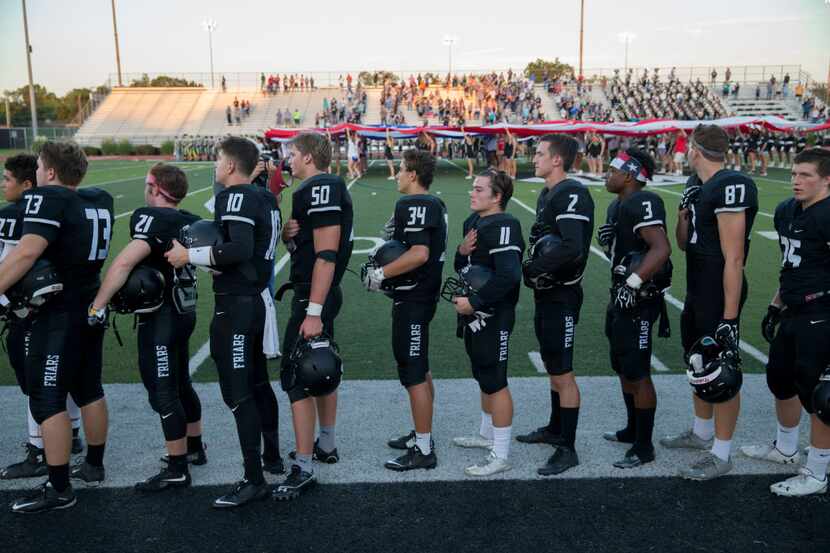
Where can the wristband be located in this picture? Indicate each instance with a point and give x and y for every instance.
(314, 309)
(634, 281)
(201, 256)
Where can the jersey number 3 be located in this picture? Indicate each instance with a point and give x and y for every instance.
(101, 233)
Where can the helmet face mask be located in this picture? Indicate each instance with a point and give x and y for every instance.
(659, 283)
(471, 279)
(713, 372)
(821, 398)
(383, 256)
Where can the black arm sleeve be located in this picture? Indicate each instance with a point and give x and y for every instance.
(570, 250)
(507, 275)
(240, 247)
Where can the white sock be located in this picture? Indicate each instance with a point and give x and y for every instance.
(35, 437)
(704, 428)
(424, 443)
(786, 440)
(722, 449)
(74, 412)
(486, 428)
(817, 461)
(501, 441)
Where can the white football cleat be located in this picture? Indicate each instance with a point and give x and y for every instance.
(803, 483)
(772, 454)
(473, 442)
(488, 467)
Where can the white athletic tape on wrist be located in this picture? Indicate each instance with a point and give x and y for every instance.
(634, 281)
(314, 309)
(201, 256)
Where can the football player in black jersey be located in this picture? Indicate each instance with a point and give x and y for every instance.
(72, 229)
(248, 218)
(19, 175)
(164, 333)
(420, 223)
(714, 225)
(635, 224)
(319, 237)
(564, 210)
(797, 325)
(492, 239)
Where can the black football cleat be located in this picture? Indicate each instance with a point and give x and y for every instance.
(403, 443)
(562, 459)
(44, 498)
(294, 485)
(327, 457)
(165, 480)
(635, 458)
(541, 435)
(33, 465)
(273, 466)
(243, 493)
(88, 474)
(413, 459)
(197, 458)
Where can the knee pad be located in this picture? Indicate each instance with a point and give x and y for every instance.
(44, 408)
(491, 383)
(782, 385)
(409, 377)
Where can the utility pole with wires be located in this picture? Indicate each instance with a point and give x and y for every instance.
(32, 103)
(117, 49)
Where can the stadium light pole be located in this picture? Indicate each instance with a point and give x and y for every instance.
(117, 49)
(449, 41)
(626, 38)
(210, 26)
(32, 103)
(581, 33)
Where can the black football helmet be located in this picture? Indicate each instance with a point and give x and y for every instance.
(471, 279)
(200, 234)
(316, 365)
(821, 398)
(657, 284)
(387, 253)
(714, 372)
(570, 273)
(142, 293)
(36, 287)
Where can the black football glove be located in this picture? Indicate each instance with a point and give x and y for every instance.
(689, 197)
(605, 235)
(770, 323)
(727, 335)
(625, 297)
(537, 231)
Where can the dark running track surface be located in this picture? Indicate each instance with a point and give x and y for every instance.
(655, 514)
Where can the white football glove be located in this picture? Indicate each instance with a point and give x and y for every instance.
(374, 278)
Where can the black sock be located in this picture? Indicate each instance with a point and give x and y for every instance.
(194, 444)
(627, 434)
(249, 429)
(178, 463)
(75, 432)
(59, 476)
(95, 454)
(570, 418)
(555, 422)
(271, 445)
(645, 428)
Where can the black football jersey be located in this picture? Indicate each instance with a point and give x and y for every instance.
(158, 226)
(77, 224)
(727, 191)
(496, 235)
(800, 143)
(11, 225)
(247, 204)
(804, 237)
(569, 200)
(320, 201)
(640, 209)
(421, 220)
